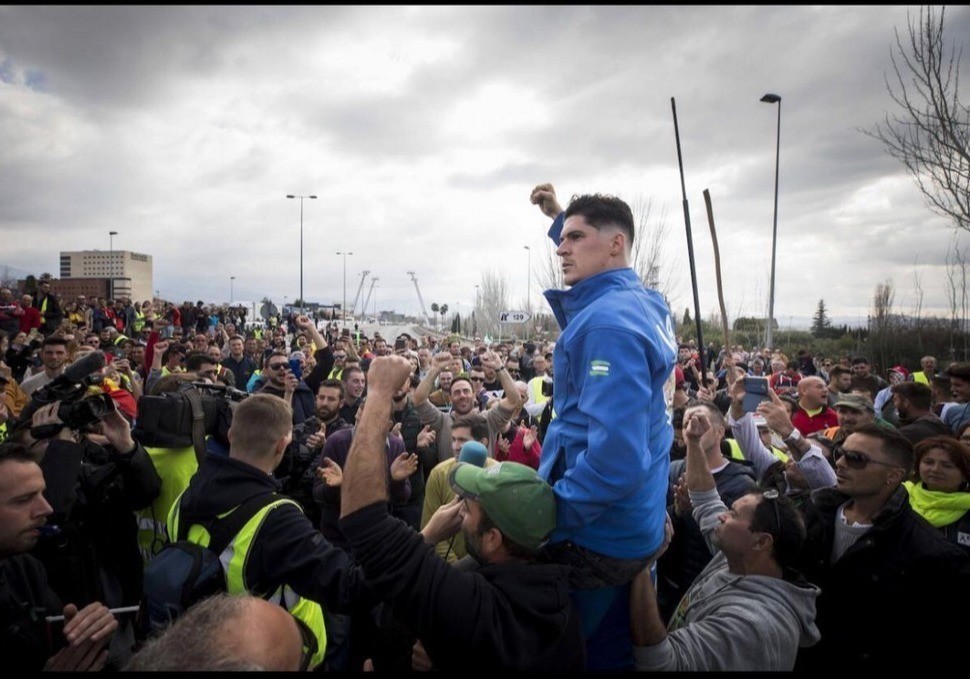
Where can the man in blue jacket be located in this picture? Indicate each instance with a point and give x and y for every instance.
(605, 452)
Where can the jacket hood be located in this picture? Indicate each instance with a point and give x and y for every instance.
(798, 597)
(566, 303)
(223, 483)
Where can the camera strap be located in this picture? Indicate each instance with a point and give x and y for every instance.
(198, 423)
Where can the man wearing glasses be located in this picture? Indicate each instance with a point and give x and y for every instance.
(280, 381)
(749, 609)
(889, 580)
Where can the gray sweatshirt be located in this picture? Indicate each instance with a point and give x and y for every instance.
(730, 622)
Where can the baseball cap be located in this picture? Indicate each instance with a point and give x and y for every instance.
(517, 501)
(855, 401)
(899, 369)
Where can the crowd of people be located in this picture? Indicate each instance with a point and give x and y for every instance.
(614, 500)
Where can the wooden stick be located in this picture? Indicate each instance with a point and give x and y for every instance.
(717, 270)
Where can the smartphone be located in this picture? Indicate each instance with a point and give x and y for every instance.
(295, 367)
(755, 391)
(399, 344)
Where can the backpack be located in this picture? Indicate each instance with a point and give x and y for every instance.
(183, 573)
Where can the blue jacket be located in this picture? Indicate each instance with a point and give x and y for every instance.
(605, 453)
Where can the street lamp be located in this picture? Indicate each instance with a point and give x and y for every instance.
(376, 317)
(231, 279)
(344, 307)
(528, 296)
(111, 263)
(290, 195)
(773, 99)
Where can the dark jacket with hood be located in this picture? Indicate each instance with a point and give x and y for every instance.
(507, 616)
(898, 592)
(287, 549)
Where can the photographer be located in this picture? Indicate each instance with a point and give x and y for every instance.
(96, 477)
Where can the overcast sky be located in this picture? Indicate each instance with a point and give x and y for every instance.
(422, 131)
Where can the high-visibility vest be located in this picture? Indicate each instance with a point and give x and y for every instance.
(139, 321)
(234, 558)
(176, 467)
(535, 390)
(738, 454)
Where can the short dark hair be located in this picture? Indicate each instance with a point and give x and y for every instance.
(476, 423)
(514, 549)
(787, 531)
(602, 211)
(839, 370)
(860, 360)
(16, 452)
(961, 371)
(918, 394)
(195, 360)
(53, 340)
(894, 444)
(332, 384)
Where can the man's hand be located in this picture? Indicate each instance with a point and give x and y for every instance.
(290, 382)
(387, 375)
(530, 436)
(544, 195)
(316, 441)
(441, 361)
(48, 415)
(491, 360)
(115, 428)
(330, 473)
(88, 633)
(426, 437)
(682, 503)
(776, 415)
(696, 426)
(445, 522)
(503, 444)
(420, 662)
(403, 466)
(304, 322)
(396, 430)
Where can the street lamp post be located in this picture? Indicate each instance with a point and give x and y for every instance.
(344, 307)
(231, 279)
(773, 99)
(290, 195)
(111, 263)
(528, 296)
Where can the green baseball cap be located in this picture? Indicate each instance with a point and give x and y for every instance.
(517, 501)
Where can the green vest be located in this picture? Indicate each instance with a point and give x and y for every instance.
(139, 321)
(176, 467)
(737, 454)
(234, 558)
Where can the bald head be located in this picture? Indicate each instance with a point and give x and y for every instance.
(265, 634)
(812, 393)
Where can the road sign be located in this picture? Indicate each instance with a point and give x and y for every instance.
(514, 317)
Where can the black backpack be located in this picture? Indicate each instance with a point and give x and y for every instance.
(183, 573)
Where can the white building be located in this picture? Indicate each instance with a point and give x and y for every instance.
(130, 273)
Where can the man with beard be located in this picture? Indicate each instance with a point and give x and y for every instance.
(280, 381)
(53, 355)
(514, 613)
(441, 397)
(463, 402)
(914, 403)
(840, 382)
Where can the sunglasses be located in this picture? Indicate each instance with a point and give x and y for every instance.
(857, 460)
(278, 366)
(771, 495)
(477, 379)
(310, 645)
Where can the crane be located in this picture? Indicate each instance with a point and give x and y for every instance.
(420, 299)
(371, 290)
(353, 307)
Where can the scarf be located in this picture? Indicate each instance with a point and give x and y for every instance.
(940, 509)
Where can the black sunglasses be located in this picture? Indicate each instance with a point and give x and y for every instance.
(278, 366)
(310, 645)
(857, 460)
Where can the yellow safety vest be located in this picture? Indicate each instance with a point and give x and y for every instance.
(176, 467)
(738, 454)
(535, 390)
(139, 322)
(921, 378)
(234, 558)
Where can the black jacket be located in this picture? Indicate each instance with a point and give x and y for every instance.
(304, 400)
(898, 592)
(287, 550)
(25, 599)
(508, 616)
(94, 492)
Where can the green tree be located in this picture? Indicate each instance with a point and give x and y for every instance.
(820, 321)
(687, 320)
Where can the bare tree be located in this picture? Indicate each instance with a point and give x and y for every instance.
(930, 133)
(956, 292)
(881, 322)
(647, 255)
(918, 305)
(493, 298)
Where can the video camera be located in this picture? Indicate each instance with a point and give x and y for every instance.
(165, 420)
(78, 409)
